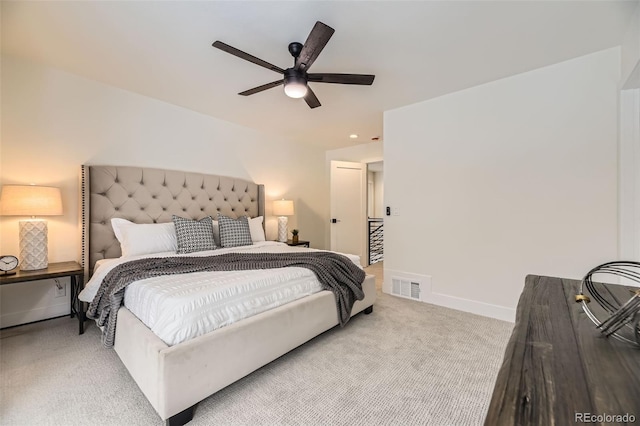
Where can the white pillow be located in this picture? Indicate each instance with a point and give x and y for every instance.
(256, 229)
(145, 238)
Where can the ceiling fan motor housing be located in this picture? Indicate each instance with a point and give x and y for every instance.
(292, 75)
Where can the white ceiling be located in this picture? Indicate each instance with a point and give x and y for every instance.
(417, 50)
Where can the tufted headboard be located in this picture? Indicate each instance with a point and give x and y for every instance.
(144, 195)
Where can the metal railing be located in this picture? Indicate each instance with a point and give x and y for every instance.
(376, 238)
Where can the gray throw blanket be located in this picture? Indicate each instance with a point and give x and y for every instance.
(334, 271)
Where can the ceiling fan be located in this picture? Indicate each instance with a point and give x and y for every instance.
(296, 78)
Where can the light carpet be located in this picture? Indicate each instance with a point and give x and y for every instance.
(406, 363)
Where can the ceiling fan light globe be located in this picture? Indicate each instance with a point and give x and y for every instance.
(295, 90)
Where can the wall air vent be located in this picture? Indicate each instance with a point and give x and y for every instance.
(405, 288)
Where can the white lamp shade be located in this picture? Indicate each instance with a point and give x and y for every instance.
(30, 200)
(283, 208)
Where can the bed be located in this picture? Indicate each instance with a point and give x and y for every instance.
(174, 378)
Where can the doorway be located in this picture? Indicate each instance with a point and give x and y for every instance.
(356, 208)
(375, 212)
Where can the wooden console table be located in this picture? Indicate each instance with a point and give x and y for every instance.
(558, 369)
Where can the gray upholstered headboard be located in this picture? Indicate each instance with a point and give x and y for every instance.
(144, 195)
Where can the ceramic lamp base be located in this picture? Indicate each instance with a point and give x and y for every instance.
(282, 229)
(33, 245)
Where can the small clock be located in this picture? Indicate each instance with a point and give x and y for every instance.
(7, 264)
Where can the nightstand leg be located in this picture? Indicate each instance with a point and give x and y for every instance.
(72, 293)
(77, 307)
(81, 317)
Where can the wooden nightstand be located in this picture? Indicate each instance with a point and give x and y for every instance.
(73, 270)
(300, 243)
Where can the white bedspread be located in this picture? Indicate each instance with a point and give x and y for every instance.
(180, 307)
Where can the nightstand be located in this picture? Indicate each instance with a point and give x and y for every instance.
(73, 270)
(300, 243)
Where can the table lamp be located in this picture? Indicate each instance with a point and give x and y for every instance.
(282, 209)
(31, 200)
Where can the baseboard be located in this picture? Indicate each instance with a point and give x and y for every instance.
(34, 322)
(474, 307)
(427, 295)
(33, 315)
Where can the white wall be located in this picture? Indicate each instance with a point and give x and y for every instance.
(514, 177)
(629, 144)
(630, 71)
(371, 198)
(53, 122)
(629, 176)
(375, 194)
(378, 179)
(362, 153)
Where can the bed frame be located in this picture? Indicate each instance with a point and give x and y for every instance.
(175, 378)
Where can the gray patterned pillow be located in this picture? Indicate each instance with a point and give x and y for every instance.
(194, 235)
(234, 232)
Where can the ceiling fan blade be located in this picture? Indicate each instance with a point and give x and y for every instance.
(261, 88)
(243, 55)
(365, 79)
(317, 40)
(311, 99)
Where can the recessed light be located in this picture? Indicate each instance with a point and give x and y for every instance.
(353, 136)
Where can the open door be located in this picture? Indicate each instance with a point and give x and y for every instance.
(348, 208)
